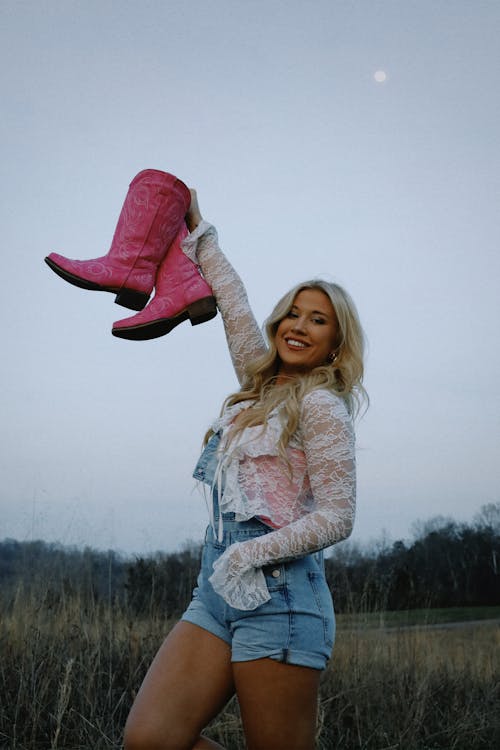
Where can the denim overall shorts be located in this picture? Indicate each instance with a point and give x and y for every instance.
(296, 626)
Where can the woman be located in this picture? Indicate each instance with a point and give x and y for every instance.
(280, 466)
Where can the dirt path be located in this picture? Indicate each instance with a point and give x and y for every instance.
(446, 625)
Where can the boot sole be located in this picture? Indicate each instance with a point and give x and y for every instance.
(129, 298)
(199, 312)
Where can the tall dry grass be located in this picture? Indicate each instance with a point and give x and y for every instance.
(413, 689)
(69, 669)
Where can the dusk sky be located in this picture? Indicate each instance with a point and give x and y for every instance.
(310, 162)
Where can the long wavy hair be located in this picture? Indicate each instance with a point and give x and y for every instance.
(343, 376)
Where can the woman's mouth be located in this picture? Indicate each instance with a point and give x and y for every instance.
(296, 344)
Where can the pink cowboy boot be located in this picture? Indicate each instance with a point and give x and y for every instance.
(152, 213)
(181, 292)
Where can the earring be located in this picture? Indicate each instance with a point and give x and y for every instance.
(331, 358)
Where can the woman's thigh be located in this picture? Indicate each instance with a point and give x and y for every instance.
(278, 704)
(187, 684)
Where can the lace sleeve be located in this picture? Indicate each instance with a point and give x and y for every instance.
(328, 440)
(244, 337)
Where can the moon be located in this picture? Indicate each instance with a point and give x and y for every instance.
(380, 76)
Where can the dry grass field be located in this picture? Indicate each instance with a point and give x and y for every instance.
(69, 671)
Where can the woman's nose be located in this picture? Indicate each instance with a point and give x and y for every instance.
(299, 324)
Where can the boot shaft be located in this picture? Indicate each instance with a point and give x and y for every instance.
(154, 207)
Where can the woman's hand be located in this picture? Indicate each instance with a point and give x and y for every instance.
(234, 577)
(193, 216)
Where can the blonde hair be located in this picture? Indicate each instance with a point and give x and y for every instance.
(343, 376)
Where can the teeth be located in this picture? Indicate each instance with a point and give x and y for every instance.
(293, 342)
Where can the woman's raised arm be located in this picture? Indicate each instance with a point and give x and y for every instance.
(244, 337)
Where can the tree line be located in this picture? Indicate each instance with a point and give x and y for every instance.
(447, 564)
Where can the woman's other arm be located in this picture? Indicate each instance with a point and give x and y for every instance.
(328, 440)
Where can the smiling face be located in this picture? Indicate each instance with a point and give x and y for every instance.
(307, 335)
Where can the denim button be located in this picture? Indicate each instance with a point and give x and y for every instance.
(275, 574)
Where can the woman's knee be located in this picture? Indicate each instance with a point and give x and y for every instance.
(143, 736)
(138, 736)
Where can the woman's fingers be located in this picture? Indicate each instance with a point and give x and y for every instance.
(193, 216)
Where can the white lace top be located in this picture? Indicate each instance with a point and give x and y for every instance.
(313, 506)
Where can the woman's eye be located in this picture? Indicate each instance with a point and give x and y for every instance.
(320, 321)
(292, 314)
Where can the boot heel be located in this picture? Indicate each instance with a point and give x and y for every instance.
(202, 310)
(132, 299)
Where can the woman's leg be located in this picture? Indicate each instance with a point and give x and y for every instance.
(278, 704)
(188, 683)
